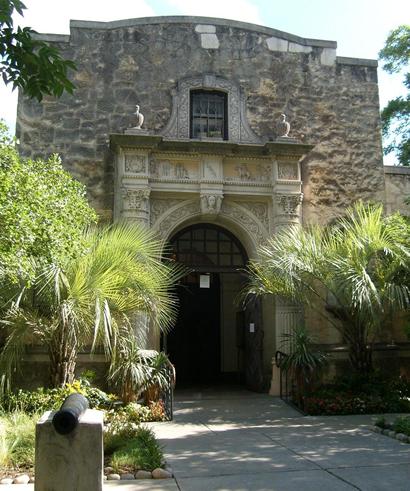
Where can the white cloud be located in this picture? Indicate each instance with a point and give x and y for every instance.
(242, 10)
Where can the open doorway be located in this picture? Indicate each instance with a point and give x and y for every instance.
(206, 344)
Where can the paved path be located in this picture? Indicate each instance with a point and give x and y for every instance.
(240, 441)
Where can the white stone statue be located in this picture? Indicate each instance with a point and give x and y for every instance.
(140, 118)
(282, 126)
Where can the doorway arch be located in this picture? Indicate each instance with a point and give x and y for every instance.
(207, 343)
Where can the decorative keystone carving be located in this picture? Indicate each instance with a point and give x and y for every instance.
(136, 199)
(211, 204)
(289, 202)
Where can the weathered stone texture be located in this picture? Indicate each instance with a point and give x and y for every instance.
(331, 103)
(397, 189)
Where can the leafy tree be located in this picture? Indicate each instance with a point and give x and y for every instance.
(353, 273)
(43, 212)
(396, 115)
(89, 300)
(26, 62)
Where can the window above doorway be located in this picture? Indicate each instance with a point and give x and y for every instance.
(208, 247)
(218, 108)
(209, 115)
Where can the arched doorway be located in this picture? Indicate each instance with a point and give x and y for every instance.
(206, 344)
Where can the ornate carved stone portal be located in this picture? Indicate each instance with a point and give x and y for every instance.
(252, 191)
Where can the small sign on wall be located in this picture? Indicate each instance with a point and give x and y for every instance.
(251, 327)
(204, 281)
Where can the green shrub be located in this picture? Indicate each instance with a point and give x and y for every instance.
(402, 425)
(17, 440)
(40, 400)
(381, 422)
(118, 431)
(140, 452)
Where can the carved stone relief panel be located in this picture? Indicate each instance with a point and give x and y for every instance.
(169, 221)
(258, 209)
(246, 220)
(288, 171)
(211, 170)
(160, 206)
(135, 164)
(173, 169)
(288, 203)
(260, 172)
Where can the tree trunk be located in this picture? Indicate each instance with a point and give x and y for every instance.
(360, 350)
(361, 358)
(63, 358)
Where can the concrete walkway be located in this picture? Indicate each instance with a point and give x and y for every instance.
(241, 441)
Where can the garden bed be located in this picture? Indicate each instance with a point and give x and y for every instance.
(130, 448)
(373, 395)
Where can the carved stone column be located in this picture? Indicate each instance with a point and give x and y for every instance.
(287, 209)
(287, 206)
(136, 205)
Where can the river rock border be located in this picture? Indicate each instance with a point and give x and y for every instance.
(109, 475)
(158, 473)
(391, 433)
(17, 479)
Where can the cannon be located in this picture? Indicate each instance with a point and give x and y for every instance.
(66, 419)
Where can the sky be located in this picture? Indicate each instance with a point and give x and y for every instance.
(360, 27)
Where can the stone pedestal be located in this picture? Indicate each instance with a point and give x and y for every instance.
(274, 389)
(70, 462)
(136, 131)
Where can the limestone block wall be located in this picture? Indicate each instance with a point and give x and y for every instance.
(397, 189)
(331, 102)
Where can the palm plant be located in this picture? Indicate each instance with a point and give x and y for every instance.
(354, 273)
(302, 360)
(87, 300)
(134, 370)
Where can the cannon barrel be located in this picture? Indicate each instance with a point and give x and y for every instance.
(66, 419)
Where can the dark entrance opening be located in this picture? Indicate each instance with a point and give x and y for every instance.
(194, 343)
(205, 345)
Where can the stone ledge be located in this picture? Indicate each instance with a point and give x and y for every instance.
(185, 19)
(53, 38)
(343, 60)
(396, 169)
(156, 142)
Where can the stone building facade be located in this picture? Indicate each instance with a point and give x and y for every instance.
(222, 176)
